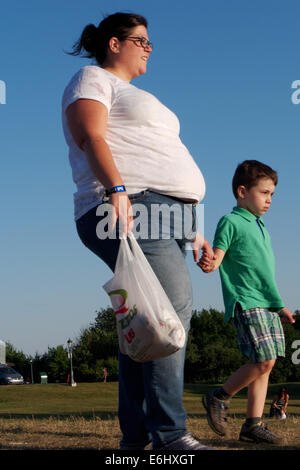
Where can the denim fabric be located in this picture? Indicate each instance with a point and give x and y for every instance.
(150, 394)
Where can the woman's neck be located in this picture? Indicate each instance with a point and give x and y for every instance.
(119, 72)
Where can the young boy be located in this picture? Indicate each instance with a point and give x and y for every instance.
(244, 255)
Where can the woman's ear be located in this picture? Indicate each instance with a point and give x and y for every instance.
(114, 45)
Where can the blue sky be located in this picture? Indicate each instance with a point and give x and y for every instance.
(224, 67)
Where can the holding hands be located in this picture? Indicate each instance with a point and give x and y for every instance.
(200, 243)
(207, 262)
(211, 259)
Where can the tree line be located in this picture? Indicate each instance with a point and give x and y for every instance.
(212, 353)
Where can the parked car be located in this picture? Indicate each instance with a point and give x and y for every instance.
(8, 376)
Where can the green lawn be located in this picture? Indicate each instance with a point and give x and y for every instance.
(57, 416)
(100, 399)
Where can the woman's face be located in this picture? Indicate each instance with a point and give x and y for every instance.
(132, 55)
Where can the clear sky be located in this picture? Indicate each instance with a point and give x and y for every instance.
(224, 67)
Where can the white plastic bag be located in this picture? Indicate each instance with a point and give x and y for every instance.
(147, 324)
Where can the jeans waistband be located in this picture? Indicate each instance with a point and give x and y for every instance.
(147, 191)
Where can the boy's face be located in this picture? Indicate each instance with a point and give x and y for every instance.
(257, 199)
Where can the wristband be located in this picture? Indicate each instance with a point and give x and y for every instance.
(115, 189)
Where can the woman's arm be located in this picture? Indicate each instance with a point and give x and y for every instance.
(286, 403)
(87, 121)
(275, 402)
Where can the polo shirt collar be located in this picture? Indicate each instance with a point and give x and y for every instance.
(247, 215)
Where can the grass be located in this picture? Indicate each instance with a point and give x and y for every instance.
(56, 416)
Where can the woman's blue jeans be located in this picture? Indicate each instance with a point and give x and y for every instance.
(150, 394)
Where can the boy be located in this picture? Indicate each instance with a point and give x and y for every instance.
(244, 254)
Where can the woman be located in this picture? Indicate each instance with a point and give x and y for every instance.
(279, 404)
(123, 140)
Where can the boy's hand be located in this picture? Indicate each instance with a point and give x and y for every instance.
(286, 316)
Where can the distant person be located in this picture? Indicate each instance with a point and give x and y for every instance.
(243, 251)
(124, 144)
(105, 374)
(279, 404)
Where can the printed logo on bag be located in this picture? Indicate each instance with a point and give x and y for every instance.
(124, 322)
(123, 294)
(130, 335)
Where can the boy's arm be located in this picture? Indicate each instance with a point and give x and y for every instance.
(208, 265)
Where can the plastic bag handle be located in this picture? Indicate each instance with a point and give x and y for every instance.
(135, 247)
(125, 254)
(140, 258)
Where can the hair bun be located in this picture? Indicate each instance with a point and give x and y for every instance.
(89, 38)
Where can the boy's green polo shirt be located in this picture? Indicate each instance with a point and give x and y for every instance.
(248, 267)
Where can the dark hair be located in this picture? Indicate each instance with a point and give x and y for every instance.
(249, 172)
(94, 40)
(282, 390)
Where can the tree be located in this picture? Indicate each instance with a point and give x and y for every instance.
(97, 347)
(58, 364)
(212, 353)
(18, 360)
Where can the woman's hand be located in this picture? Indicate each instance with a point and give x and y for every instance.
(199, 243)
(122, 210)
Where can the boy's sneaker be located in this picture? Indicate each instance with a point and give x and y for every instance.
(185, 442)
(216, 413)
(258, 433)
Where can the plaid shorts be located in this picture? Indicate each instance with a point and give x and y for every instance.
(260, 333)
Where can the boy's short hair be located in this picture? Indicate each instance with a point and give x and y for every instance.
(249, 172)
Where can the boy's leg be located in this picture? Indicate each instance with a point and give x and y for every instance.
(257, 392)
(260, 338)
(253, 429)
(244, 376)
(248, 374)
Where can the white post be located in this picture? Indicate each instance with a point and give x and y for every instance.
(2, 353)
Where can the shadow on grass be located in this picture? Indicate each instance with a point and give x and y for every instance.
(85, 434)
(200, 389)
(234, 444)
(29, 448)
(104, 415)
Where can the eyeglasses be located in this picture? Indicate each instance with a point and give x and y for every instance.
(140, 41)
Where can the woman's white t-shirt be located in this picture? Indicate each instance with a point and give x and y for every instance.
(143, 136)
